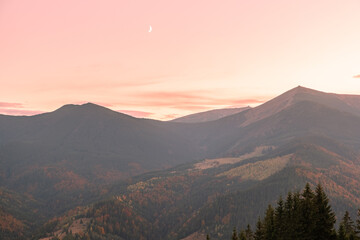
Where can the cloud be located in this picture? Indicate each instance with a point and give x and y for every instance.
(137, 114)
(192, 107)
(199, 100)
(170, 116)
(10, 105)
(19, 112)
(357, 76)
(248, 101)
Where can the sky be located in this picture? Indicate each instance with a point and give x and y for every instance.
(200, 55)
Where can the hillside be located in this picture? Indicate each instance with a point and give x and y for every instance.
(209, 115)
(169, 180)
(212, 198)
(62, 158)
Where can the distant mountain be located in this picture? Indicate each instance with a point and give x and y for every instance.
(61, 158)
(227, 170)
(296, 113)
(209, 115)
(82, 136)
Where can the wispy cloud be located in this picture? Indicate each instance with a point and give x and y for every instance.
(248, 101)
(11, 105)
(200, 100)
(192, 107)
(170, 116)
(19, 112)
(357, 76)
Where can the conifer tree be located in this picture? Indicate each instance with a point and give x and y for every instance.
(289, 218)
(323, 216)
(207, 237)
(234, 235)
(249, 233)
(348, 225)
(259, 232)
(269, 225)
(279, 219)
(242, 235)
(357, 229)
(293, 219)
(341, 233)
(306, 223)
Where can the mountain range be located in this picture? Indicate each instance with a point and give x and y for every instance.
(204, 173)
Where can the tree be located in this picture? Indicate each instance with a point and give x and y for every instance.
(306, 224)
(349, 226)
(323, 216)
(207, 237)
(293, 218)
(279, 220)
(269, 225)
(341, 233)
(234, 235)
(357, 229)
(242, 235)
(259, 232)
(249, 233)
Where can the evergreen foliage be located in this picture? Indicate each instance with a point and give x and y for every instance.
(307, 215)
(348, 224)
(234, 235)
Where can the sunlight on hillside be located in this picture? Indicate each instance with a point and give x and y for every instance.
(212, 163)
(259, 170)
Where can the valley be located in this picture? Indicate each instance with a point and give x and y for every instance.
(129, 178)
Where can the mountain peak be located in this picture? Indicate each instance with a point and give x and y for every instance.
(301, 89)
(345, 103)
(86, 108)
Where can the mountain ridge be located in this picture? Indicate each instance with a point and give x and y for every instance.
(154, 170)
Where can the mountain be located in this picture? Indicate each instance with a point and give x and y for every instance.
(61, 159)
(227, 170)
(86, 136)
(296, 113)
(209, 115)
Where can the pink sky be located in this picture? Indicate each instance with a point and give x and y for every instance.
(200, 55)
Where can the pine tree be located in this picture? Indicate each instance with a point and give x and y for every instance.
(259, 232)
(357, 229)
(293, 219)
(207, 237)
(306, 223)
(242, 235)
(348, 225)
(341, 233)
(279, 220)
(269, 225)
(323, 216)
(234, 235)
(249, 233)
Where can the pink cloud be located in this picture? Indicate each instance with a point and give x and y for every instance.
(193, 100)
(137, 114)
(357, 76)
(170, 116)
(247, 101)
(192, 107)
(19, 112)
(11, 105)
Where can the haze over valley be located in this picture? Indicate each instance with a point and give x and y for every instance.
(179, 120)
(171, 175)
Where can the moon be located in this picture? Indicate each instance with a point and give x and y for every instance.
(150, 29)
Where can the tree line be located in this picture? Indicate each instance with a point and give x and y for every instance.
(301, 216)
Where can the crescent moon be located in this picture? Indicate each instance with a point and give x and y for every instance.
(150, 29)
